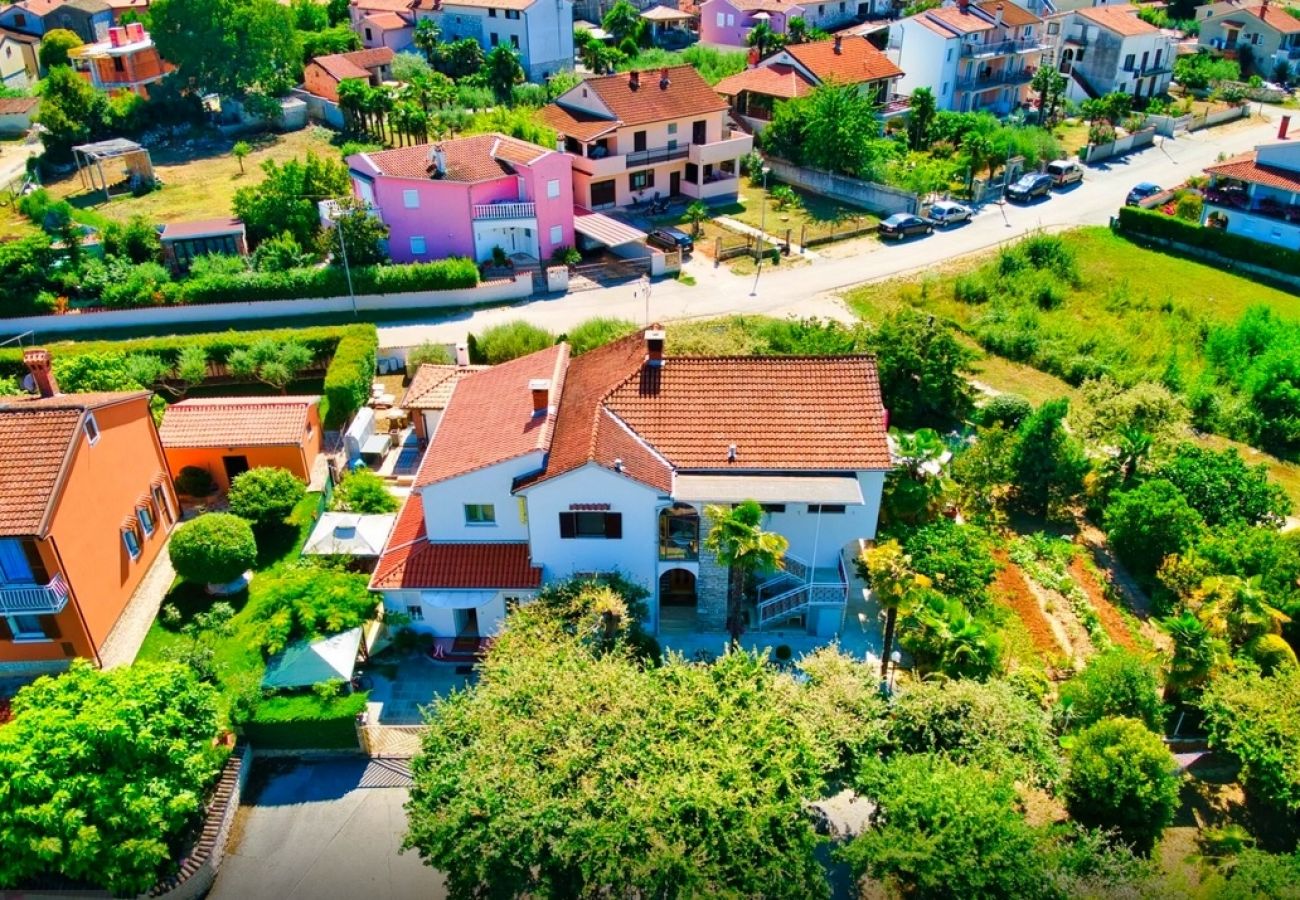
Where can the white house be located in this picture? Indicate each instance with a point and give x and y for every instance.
(1105, 49)
(1258, 194)
(974, 56)
(550, 466)
(541, 30)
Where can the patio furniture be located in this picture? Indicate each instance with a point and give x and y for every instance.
(377, 445)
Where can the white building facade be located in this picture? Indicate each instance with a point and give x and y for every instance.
(1108, 49)
(540, 30)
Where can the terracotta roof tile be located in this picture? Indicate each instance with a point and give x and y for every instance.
(1013, 15)
(236, 422)
(410, 561)
(857, 62)
(950, 19)
(9, 105)
(35, 436)
(1246, 168)
(1276, 16)
(687, 94)
(40, 7)
(388, 21)
(481, 157)
(575, 123)
(1123, 20)
(490, 419)
(432, 385)
(356, 64)
(777, 80)
(395, 6)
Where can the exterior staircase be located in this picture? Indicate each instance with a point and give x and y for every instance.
(794, 588)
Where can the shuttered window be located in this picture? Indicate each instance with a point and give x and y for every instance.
(600, 525)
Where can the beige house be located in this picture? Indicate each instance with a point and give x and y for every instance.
(19, 67)
(637, 135)
(1265, 31)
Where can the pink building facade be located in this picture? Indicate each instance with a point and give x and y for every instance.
(728, 22)
(468, 196)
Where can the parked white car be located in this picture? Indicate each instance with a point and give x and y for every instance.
(946, 212)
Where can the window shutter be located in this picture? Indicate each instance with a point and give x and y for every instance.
(613, 526)
(568, 524)
(50, 625)
(6, 633)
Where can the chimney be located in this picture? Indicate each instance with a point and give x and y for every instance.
(462, 354)
(634, 79)
(731, 453)
(135, 32)
(37, 360)
(839, 44)
(997, 16)
(963, 6)
(663, 79)
(654, 346)
(116, 36)
(541, 388)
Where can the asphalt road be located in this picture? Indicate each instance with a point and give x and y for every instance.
(810, 289)
(327, 830)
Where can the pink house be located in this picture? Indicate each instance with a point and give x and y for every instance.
(728, 22)
(395, 31)
(467, 196)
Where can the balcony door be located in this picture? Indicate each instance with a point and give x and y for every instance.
(14, 565)
(700, 132)
(603, 194)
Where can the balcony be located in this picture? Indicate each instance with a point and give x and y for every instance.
(1236, 198)
(639, 158)
(995, 79)
(507, 210)
(1002, 48)
(733, 145)
(34, 599)
(599, 166)
(896, 105)
(679, 534)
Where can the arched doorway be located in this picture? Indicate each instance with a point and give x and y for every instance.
(677, 588)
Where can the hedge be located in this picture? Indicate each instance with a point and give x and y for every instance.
(1140, 223)
(296, 284)
(305, 722)
(350, 374)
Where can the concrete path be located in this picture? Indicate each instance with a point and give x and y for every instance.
(315, 831)
(810, 290)
(128, 634)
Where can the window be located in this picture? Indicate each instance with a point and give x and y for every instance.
(492, 13)
(91, 427)
(512, 13)
(826, 508)
(1128, 62)
(369, 36)
(145, 515)
(27, 628)
(672, 127)
(1053, 27)
(132, 542)
(557, 235)
(417, 245)
(480, 514)
(1078, 57)
(722, 20)
(731, 20)
(514, 41)
(600, 525)
(700, 132)
(493, 39)
(639, 181)
(411, 199)
(553, 188)
(841, 5)
(20, 20)
(415, 613)
(160, 499)
(638, 141)
(944, 90)
(118, 64)
(949, 57)
(773, 507)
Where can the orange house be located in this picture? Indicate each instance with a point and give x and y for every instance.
(85, 509)
(230, 435)
(127, 61)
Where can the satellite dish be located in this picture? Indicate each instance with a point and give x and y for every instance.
(29, 383)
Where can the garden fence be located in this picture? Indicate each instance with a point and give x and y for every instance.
(876, 198)
(828, 232)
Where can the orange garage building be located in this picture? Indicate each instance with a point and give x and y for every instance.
(230, 435)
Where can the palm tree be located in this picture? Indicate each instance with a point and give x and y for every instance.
(1134, 447)
(763, 39)
(502, 71)
(888, 572)
(979, 150)
(426, 36)
(797, 29)
(1238, 609)
(915, 487)
(739, 542)
(921, 111)
(352, 98)
(1196, 652)
(697, 213)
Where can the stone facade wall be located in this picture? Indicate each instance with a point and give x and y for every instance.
(710, 587)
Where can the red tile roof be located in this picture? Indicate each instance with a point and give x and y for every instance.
(19, 105)
(575, 123)
(1246, 168)
(1013, 15)
(1276, 16)
(481, 157)
(857, 62)
(36, 436)
(236, 422)
(686, 94)
(1122, 20)
(432, 385)
(388, 21)
(777, 80)
(481, 4)
(491, 417)
(382, 5)
(356, 64)
(951, 20)
(201, 228)
(411, 562)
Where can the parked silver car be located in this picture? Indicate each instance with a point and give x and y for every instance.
(946, 212)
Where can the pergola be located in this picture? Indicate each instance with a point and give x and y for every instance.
(90, 158)
(661, 17)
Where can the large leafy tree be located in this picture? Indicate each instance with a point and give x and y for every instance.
(1257, 720)
(502, 70)
(55, 46)
(621, 780)
(1223, 487)
(957, 557)
(307, 601)
(72, 112)
(1151, 522)
(922, 370)
(229, 46)
(104, 774)
(286, 199)
(738, 540)
(364, 235)
(1048, 462)
(215, 548)
(621, 21)
(1117, 683)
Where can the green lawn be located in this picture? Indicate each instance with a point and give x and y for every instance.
(813, 216)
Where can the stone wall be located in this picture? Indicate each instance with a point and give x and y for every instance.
(710, 587)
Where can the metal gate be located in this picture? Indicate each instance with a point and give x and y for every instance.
(607, 273)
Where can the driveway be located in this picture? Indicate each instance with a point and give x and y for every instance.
(809, 290)
(324, 830)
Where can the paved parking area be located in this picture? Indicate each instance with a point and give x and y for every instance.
(324, 830)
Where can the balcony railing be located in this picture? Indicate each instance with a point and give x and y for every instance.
(658, 155)
(33, 599)
(1003, 48)
(1235, 199)
(509, 210)
(897, 103)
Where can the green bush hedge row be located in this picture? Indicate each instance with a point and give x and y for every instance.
(350, 375)
(1147, 223)
(295, 284)
(306, 722)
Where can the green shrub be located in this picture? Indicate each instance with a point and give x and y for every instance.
(215, 548)
(958, 558)
(350, 374)
(265, 495)
(597, 332)
(364, 492)
(295, 284)
(428, 352)
(511, 340)
(1143, 223)
(1257, 720)
(1122, 776)
(195, 482)
(1007, 410)
(1149, 522)
(306, 601)
(306, 722)
(1117, 683)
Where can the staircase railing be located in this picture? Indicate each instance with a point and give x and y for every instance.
(801, 598)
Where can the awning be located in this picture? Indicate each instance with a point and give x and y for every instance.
(306, 663)
(604, 229)
(350, 534)
(768, 488)
(665, 14)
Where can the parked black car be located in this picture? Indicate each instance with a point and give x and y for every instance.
(1029, 187)
(900, 225)
(671, 239)
(1141, 191)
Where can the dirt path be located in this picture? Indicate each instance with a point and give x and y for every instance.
(1137, 600)
(1070, 632)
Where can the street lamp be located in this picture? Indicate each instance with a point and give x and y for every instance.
(762, 228)
(644, 288)
(894, 658)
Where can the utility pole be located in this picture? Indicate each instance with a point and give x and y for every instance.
(762, 237)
